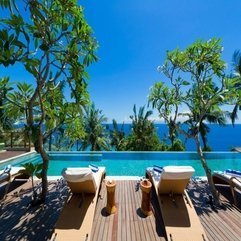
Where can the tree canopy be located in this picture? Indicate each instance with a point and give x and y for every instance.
(143, 136)
(196, 88)
(54, 43)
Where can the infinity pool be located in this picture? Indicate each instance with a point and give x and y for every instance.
(132, 163)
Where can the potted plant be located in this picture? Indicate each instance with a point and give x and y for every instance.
(32, 170)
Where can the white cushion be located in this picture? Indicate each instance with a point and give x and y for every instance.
(77, 174)
(177, 172)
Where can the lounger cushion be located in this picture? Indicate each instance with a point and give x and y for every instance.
(233, 173)
(177, 172)
(80, 180)
(77, 174)
(157, 168)
(93, 168)
(174, 179)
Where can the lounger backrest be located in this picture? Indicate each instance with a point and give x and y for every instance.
(174, 179)
(80, 180)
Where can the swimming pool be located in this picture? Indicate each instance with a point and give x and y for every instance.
(133, 163)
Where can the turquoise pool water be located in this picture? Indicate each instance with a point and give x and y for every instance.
(134, 163)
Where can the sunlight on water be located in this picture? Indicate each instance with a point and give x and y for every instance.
(135, 163)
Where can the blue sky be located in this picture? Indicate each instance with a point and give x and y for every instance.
(133, 39)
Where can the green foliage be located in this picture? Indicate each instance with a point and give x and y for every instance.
(207, 149)
(134, 143)
(54, 43)
(177, 146)
(55, 46)
(32, 169)
(95, 134)
(196, 91)
(236, 77)
(117, 137)
(6, 120)
(143, 136)
(198, 86)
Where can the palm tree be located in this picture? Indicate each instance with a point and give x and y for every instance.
(214, 117)
(236, 62)
(117, 136)
(95, 134)
(143, 136)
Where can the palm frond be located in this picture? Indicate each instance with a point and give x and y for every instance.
(236, 62)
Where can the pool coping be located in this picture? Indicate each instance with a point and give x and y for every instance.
(123, 178)
(15, 157)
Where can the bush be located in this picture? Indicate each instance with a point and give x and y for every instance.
(2, 145)
(207, 149)
(177, 146)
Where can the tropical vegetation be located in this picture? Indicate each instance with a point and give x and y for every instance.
(32, 170)
(196, 91)
(143, 136)
(236, 76)
(52, 41)
(95, 137)
(117, 136)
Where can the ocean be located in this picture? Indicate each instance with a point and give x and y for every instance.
(220, 138)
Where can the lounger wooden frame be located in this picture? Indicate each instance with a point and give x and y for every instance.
(179, 216)
(8, 177)
(76, 218)
(227, 179)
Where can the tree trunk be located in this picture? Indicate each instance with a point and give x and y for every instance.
(50, 142)
(214, 192)
(45, 159)
(204, 140)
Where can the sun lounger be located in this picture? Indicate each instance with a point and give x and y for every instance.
(80, 180)
(231, 178)
(76, 218)
(9, 173)
(179, 216)
(7, 176)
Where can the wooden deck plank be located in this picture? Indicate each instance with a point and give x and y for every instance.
(132, 211)
(128, 203)
(143, 227)
(139, 224)
(134, 217)
(20, 221)
(214, 222)
(119, 197)
(219, 223)
(123, 213)
(97, 218)
(132, 225)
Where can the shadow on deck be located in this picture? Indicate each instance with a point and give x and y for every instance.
(20, 221)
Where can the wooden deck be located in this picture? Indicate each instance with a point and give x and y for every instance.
(128, 223)
(19, 221)
(222, 223)
(8, 154)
